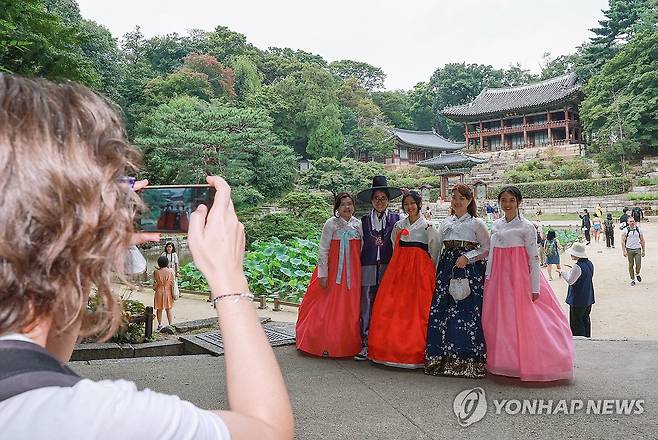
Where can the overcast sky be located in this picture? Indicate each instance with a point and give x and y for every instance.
(408, 39)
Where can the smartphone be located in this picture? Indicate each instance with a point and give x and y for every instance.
(169, 206)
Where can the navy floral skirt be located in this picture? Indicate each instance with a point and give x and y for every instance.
(455, 341)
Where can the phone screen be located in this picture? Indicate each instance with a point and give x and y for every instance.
(169, 207)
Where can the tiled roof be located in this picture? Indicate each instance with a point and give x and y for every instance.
(451, 160)
(491, 101)
(427, 139)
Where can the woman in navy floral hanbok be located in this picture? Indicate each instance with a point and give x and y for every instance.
(455, 341)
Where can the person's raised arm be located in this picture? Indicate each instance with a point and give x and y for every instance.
(257, 395)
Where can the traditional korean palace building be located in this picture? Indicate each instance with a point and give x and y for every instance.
(533, 115)
(448, 165)
(415, 146)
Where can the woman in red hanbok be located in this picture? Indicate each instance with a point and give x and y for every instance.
(398, 327)
(328, 320)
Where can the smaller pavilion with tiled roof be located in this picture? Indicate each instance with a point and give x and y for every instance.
(533, 115)
(447, 165)
(413, 146)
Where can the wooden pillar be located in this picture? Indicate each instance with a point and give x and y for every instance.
(444, 188)
(550, 132)
(566, 126)
(525, 132)
(502, 135)
(461, 178)
(481, 138)
(466, 135)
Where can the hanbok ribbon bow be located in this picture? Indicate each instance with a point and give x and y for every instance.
(344, 254)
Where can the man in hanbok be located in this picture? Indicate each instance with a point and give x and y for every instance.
(377, 248)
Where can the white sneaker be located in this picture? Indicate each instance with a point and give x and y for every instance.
(362, 355)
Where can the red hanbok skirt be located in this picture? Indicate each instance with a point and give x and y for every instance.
(398, 327)
(328, 319)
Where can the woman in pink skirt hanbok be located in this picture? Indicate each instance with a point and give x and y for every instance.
(526, 332)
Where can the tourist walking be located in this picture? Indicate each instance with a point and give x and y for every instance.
(328, 319)
(623, 218)
(541, 239)
(552, 251)
(173, 263)
(455, 341)
(163, 284)
(490, 211)
(596, 228)
(377, 249)
(633, 247)
(525, 330)
(637, 213)
(580, 295)
(398, 327)
(586, 225)
(609, 230)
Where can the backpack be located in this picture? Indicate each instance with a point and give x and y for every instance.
(551, 249)
(27, 366)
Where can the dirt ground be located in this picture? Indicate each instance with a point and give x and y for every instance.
(621, 310)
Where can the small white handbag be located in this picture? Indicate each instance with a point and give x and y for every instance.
(459, 288)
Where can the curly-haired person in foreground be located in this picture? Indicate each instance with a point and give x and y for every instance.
(66, 224)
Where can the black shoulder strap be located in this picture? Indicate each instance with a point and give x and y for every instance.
(25, 366)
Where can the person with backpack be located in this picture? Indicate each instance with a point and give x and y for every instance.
(637, 214)
(633, 249)
(552, 249)
(623, 218)
(609, 229)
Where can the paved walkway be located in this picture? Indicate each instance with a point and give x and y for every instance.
(344, 399)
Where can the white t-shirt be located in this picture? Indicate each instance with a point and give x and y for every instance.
(109, 409)
(633, 240)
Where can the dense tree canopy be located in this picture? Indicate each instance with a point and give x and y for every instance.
(247, 112)
(187, 139)
(621, 108)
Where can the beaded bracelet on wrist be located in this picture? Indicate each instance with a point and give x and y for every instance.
(235, 296)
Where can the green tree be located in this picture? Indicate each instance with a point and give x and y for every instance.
(421, 112)
(365, 129)
(187, 139)
(396, 106)
(37, 42)
(333, 175)
(515, 75)
(248, 80)
(370, 77)
(308, 112)
(226, 45)
(621, 105)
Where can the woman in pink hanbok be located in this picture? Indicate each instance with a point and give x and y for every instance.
(526, 332)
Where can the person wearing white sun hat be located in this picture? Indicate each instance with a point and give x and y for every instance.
(580, 295)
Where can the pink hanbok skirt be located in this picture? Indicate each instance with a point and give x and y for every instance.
(524, 339)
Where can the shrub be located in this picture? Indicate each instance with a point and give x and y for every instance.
(191, 279)
(128, 332)
(568, 188)
(281, 270)
(280, 225)
(273, 268)
(556, 168)
(646, 181)
(413, 177)
(643, 196)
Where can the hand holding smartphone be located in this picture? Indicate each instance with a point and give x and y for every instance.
(169, 206)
